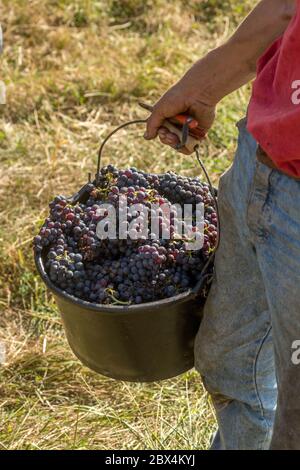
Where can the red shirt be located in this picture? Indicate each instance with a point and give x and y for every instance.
(274, 110)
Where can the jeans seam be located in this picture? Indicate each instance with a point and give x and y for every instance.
(255, 381)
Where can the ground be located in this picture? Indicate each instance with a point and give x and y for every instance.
(73, 70)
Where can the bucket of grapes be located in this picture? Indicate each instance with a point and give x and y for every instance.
(129, 260)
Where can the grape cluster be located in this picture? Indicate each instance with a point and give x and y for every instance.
(141, 266)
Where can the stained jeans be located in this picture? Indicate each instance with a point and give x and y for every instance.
(251, 324)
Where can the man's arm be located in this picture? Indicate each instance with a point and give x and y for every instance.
(222, 70)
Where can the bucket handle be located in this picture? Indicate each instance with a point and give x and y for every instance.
(203, 274)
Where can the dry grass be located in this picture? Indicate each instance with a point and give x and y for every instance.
(51, 402)
(73, 70)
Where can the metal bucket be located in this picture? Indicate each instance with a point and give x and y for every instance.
(136, 343)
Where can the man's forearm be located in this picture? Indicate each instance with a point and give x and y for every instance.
(222, 70)
(234, 63)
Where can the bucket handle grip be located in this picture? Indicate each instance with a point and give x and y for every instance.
(203, 275)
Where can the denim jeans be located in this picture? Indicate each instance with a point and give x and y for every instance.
(252, 315)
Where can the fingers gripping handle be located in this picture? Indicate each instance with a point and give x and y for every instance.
(181, 125)
(190, 142)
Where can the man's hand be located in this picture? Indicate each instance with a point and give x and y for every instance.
(176, 100)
